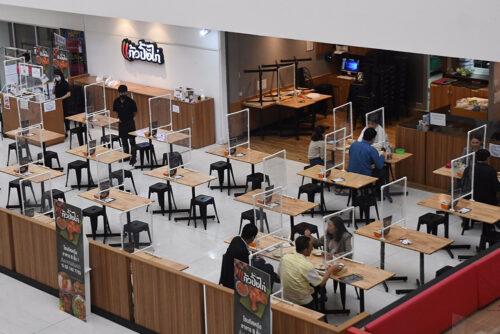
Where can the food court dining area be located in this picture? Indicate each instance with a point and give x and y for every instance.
(165, 179)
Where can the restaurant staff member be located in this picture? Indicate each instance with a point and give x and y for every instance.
(61, 91)
(126, 109)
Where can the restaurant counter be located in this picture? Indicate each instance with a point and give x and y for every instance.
(199, 116)
(437, 147)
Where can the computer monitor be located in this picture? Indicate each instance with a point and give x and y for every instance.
(350, 65)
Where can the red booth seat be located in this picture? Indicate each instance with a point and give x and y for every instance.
(443, 304)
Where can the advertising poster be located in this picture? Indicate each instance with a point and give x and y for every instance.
(42, 57)
(71, 260)
(252, 304)
(60, 60)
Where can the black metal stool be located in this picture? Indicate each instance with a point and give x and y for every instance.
(117, 174)
(311, 190)
(171, 156)
(432, 221)
(56, 194)
(301, 228)
(144, 148)
(221, 167)
(160, 189)
(93, 212)
(77, 165)
(79, 132)
(13, 147)
(49, 156)
(202, 201)
(256, 180)
(250, 216)
(114, 138)
(15, 184)
(134, 229)
(364, 202)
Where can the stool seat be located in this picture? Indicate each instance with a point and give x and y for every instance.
(310, 189)
(77, 164)
(160, 188)
(202, 201)
(134, 228)
(49, 156)
(256, 180)
(432, 221)
(144, 148)
(93, 211)
(301, 228)
(219, 165)
(250, 215)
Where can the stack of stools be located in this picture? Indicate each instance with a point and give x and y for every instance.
(134, 228)
(250, 216)
(117, 174)
(160, 188)
(256, 180)
(301, 228)
(311, 190)
(15, 184)
(49, 156)
(77, 165)
(93, 212)
(432, 221)
(221, 167)
(202, 201)
(144, 148)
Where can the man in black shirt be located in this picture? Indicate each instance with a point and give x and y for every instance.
(126, 109)
(486, 183)
(238, 249)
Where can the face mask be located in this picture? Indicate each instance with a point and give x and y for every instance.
(57, 79)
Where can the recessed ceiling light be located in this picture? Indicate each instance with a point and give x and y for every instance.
(204, 32)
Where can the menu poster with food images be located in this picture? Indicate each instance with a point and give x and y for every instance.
(60, 60)
(252, 304)
(42, 57)
(72, 260)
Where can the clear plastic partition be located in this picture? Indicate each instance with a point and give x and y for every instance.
(98, 128)
(180, 151)
(95, 98)
(160, 114)
(274, 168)
(335, 150)
(375, 119)
(476, 138)
(36, 194)
(462, 178)
(29, 143)
(110, 169)
(392, 207)
(137, 229)
(30, 110)
(286, 80)
(238, 125)
(31, 75)
(342, 118)
(268, 211)
(12, 80)
(330, 224)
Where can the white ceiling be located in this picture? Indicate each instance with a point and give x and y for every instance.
(457, 28)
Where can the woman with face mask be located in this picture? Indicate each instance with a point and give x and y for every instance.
(62, 91)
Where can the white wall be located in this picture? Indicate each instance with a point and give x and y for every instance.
(190, 59)
(458, 28)
(4, 34)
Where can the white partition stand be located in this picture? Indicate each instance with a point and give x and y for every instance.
(461, 182)
(238, 125)
(337, 111)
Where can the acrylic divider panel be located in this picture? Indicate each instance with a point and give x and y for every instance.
(98, 132)
(30, 110)
(238, 126)
(29, 144)
(179, 155)
(110, 170)
(462, 178)
(342, 118)
(286, 81)
(335, 150)
(137, 229)
(377, 118)
(477, 138)
(268, 211)
(393, 205)
(95, 98)
(274, 168)
(160, 114)
(36, 195)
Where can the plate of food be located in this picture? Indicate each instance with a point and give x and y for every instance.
(276, 252)
(64, 282)
(317, 252)
(320, 266)
(241, 288)
(79, 307)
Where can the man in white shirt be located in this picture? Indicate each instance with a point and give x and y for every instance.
(381, 137)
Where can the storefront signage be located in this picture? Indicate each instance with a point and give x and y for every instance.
(145, 51)
(252, 304)
(72, 260)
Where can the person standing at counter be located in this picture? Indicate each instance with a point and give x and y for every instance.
(61, 91)
(126, 109)
(373, 123)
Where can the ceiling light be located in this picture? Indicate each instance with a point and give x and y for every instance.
(204, 32)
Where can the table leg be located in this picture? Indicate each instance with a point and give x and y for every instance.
(422, 269)
(292, 225)
(228, 182)
(261, 216)
(261, 116)
(361, 300)
(446, 231)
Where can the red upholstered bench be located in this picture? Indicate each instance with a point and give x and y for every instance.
(440, 306)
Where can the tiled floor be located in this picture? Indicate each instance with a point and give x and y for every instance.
(202, 249)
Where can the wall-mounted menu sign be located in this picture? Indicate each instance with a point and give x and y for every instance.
(145, 51)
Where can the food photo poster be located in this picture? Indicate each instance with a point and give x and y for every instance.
(72, 261)
(252, 301)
